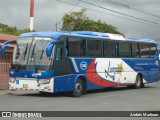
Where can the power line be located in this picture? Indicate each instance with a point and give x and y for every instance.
(132, 8)
(108, 13)
(120, 13)
(144, 3)
(130, 4)
(75, 5)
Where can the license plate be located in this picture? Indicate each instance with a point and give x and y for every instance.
(25, 85)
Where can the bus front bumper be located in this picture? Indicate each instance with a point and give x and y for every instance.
(31, 84)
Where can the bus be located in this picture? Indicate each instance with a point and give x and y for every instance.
(81, 60)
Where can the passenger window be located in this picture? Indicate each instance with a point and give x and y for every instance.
(73, 46)
(76, 46)
(82, 47)
(109, 49)
(145, 51)
(124, 49)
(94, 48)
(135, 50)
(152, 50)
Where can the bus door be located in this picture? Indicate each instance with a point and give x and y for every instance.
(61, 63)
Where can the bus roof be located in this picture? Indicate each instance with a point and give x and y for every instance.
(88, 34)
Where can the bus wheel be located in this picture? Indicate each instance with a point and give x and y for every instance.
(78, 90)
(138, 83)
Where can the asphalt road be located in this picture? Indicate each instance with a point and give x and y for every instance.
(117, 99)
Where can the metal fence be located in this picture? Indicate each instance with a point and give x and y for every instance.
(4, 75)
(4, 70)
(6, 59)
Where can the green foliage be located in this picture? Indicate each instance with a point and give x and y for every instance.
(8, 30)
(11, 30)
(24, 31)
(78, 21)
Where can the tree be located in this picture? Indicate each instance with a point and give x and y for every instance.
(11, 30)
(8, 30)
(24, 31)
(78, 21)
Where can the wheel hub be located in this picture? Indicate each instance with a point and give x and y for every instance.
(78, 88)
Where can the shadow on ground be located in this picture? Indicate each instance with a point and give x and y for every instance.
(67, 94)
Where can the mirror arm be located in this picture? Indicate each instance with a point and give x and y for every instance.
(49, 47)
(4, 45)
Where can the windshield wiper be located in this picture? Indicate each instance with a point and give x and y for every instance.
(25, 52)
(37, 67)
(33, 53)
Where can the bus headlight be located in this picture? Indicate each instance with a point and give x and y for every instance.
(47, 81)
(12, 80)
(43, 81)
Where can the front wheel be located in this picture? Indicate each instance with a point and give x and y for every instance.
(78, 90)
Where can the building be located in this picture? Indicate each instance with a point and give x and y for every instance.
(9, 50)
(6, 60)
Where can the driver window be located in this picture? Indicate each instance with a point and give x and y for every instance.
(59, 54)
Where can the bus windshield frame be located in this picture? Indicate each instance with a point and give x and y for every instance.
(30, 54)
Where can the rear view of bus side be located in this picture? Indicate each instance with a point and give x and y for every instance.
(83, 60)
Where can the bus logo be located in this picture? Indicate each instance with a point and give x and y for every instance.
(37, 74)
(83, 65)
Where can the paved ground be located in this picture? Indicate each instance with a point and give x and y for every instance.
(119, 99)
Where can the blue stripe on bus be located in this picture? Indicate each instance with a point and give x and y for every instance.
(31, 74)
(147, 67)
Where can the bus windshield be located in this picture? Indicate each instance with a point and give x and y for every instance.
(30, 54)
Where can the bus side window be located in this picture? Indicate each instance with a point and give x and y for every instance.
(124, 49)
(73, 46)
(152, 50)
(83, 47)
(66, 47)
(135, 50)
(145, 50)
(94, 48)
(109, 49)
(76, 46)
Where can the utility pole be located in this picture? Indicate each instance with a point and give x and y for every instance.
(31, 15)
(56, 25)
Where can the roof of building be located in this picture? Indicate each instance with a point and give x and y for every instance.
(7, 37)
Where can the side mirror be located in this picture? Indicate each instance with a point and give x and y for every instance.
(49, 48)
(4, 45)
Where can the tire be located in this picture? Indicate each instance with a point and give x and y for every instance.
(138, 83)
(44, 93)
(78, 90)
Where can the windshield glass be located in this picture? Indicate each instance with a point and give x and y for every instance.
(30, 54)
(21, 50)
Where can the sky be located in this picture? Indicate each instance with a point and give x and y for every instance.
(135, 18)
